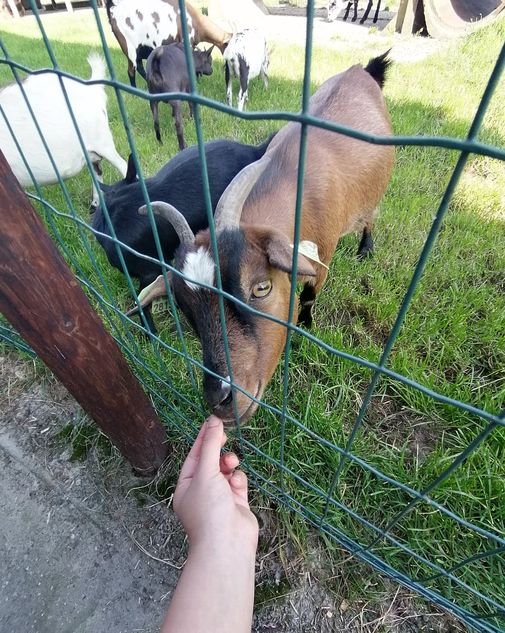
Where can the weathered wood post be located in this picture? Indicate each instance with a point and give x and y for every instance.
(42, 299)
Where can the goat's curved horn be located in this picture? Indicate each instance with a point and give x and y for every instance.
(176, 219)
(229, 207)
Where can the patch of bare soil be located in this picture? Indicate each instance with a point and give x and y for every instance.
(74, 464)
(402, 428)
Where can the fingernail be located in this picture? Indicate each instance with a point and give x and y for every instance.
(213, 421)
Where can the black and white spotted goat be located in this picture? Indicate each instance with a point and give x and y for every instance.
(245, 57)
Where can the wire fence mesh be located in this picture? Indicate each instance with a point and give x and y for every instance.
(477, 597)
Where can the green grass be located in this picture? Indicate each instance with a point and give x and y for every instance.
(453, 338)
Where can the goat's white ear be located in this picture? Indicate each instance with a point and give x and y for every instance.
(280, 255)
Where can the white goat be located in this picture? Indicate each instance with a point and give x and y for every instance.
(89, 105)
(245, 57)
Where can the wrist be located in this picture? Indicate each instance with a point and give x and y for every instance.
(224, 546)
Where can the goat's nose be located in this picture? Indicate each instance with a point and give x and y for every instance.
(217, 392)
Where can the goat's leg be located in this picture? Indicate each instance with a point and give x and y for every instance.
(140, 66)
(179, 128)
(264, 76)
(365, 248)
(376, 16)
(229, 84)
(109, 152)
(307, 299)
(131, 73)
(347, 9)
(355, 16)
(156, 121)
(244, 83)
(367, 11)
(97, 168)
(333, 8)
(147, 309)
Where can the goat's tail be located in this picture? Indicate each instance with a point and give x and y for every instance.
(378, 66)
(97, 64)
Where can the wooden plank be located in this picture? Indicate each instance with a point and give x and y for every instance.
(43, 300)
(408, 17)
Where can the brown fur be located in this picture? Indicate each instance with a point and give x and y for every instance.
(344, 181)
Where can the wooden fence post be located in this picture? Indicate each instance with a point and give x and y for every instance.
(43, 300)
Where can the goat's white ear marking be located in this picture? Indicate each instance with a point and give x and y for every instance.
(198, 266)
(309, 250)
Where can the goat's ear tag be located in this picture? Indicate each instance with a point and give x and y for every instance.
(309, 250)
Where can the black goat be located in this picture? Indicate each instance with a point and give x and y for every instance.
(179, 182)
(167, 71)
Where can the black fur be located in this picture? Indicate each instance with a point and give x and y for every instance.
(231, 248)
(378, 66)
(203, 312)
(179, 182)
(244, 73)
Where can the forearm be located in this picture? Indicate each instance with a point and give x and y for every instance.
(215, 593)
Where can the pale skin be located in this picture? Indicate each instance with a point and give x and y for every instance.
(215, 593)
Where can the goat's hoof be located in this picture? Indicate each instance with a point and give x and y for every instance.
(364, 253)
(305, 319)
(93, 207)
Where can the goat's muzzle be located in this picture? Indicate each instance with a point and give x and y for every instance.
(223, 403)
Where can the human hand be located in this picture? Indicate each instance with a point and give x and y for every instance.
(211, 496)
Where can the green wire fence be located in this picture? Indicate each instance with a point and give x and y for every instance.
(442, 584)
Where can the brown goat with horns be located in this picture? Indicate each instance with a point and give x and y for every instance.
(344, 181)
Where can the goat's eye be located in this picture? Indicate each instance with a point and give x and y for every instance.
(262, 289)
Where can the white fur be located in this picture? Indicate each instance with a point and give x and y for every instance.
(145, 31)
(333, 9)
(251, 46)
(199, 266)
(49, 106)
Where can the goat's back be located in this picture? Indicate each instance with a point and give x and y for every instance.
(48, 103)
(166, 69)
(344, 178)
(179, 183)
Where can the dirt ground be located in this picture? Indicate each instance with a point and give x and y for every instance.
(85, 546)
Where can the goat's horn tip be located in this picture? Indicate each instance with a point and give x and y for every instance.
(132, 311)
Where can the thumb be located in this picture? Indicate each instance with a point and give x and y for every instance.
(211, 447)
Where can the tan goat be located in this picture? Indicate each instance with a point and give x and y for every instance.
(344, 181)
